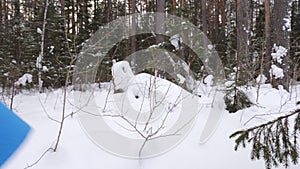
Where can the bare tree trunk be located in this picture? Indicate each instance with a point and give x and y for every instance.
(160, 26)
(174, 7)
(216, 23)
(267, 60)
(223, 15)
(242, 27)
(210, 8)
(242, 38)
(204, 16)
(68, 76)
(222, 37)
(196, 13)
(62, 8)
(12, 96)
(279, 13)
(73, 18)
(132, 5)
(281, 38)
(5, 7)
(160, 21)
(109, 9)
(1, 13)
(40, 58)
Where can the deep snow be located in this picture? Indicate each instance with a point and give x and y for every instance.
(77, 151)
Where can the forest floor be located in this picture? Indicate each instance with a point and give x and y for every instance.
(77, 151)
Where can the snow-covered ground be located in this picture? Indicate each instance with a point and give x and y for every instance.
(77, 151)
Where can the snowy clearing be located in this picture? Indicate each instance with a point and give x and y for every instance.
(77, 151)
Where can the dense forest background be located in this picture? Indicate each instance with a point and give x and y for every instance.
(40, 37)
(258, 41)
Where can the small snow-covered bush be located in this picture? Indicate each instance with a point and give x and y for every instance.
(236, 100)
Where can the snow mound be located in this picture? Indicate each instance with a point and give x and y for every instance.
(26, 78)
(276, 71)
(122, 74)
(209, 80)
(175, 40)
(261, 79)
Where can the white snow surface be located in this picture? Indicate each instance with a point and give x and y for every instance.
(45, 69)
(122, 73)
(279, 53)
(276, 71)
(209, 80)
(77, 151)
(175, 39)
(261, 79)
(38, 61)
(181, 78)
(39, 31)
(210, 47)
(26, 78)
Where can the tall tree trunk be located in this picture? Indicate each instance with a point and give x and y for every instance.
(160, 20)
(216, 24)
(1, 14)
(279, 13)
(242, 39)
(40, 58)
(5, 7)
(222, 37)
(174, 7)
(132, 5)
(196, 13)
(73, 19)
(242, 27)
(210, 8)
(62, 8)
(223, 15)
(160, 26)
(281, 37)
(267, 58)
(204, 16)
(109, 11)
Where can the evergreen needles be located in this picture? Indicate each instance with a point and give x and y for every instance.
(276, 142)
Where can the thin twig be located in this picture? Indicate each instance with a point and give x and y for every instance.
(40, 158)
(45, 111)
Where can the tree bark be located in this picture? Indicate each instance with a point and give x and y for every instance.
(73, 19)
(196, 13)
(242, 27)
(279, 13)
(204, 16)
(281, 38)
(174, 7)
(40, 58)
(267, 60)
(109, 11)
(242, 39)
(160, 20)
(216, 23)
(1, 12)
(223, 15)
(222, 36)
(62, 9)
(133, 33)
(209, 12)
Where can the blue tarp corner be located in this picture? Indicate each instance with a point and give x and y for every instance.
(13, 131)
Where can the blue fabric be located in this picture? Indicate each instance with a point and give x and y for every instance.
(13, 131)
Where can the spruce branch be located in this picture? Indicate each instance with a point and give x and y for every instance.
(276, 142)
